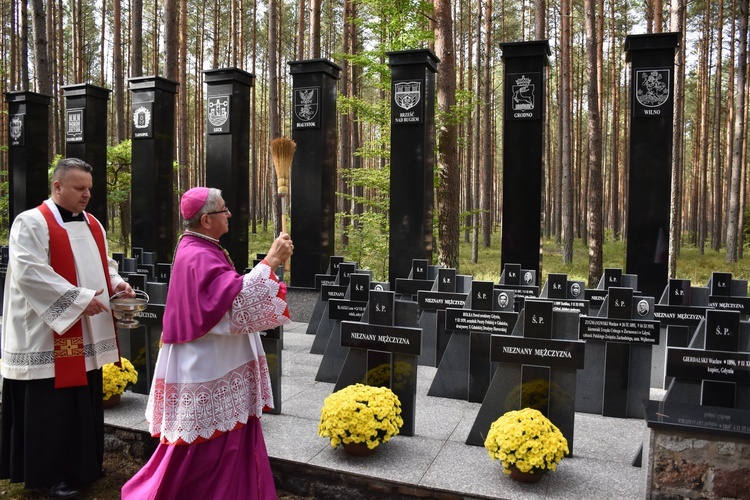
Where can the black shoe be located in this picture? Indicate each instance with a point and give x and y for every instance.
(63, 490)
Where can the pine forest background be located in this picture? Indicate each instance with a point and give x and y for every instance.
(48, 44)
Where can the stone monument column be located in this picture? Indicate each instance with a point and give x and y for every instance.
(86, 138)
(152, 181)
(651, 60)
(313, 174)
(28, 150)
(412, 159)
(523, 153)
(228, 151)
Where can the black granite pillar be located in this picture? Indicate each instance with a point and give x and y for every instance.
(651, 60)
(412, 159)
(523, 153)
(228, 151)
(313, 174)
(28, 150)
(86, 138)
(152, 180)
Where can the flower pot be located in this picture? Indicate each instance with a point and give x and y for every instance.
(525, 477)
(112, 402)
(358, 449)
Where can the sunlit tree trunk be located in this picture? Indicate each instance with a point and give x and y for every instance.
(136, 49)
(118, 73)
(447, 138)
(594, 133)
(716, 198)
(565, 111)
(734, 215)
(488, 136)
(314, 29)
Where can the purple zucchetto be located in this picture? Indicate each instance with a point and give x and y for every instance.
(192, 201)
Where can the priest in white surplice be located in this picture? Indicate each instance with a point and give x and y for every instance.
(57, 333)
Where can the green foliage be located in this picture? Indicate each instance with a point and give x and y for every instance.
(368, 242)
(119, 158)
(367, 233)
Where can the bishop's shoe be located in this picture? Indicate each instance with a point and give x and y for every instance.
(63, 490)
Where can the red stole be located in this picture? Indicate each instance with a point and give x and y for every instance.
(70, 362)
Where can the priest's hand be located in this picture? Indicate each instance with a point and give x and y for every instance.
(95, 306)
(125, 287)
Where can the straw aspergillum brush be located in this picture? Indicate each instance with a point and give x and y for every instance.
(282, 151)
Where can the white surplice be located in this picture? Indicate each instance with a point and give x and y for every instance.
(38, 300)
(219, 380)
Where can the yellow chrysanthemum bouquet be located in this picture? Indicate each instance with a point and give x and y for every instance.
(116, 380)
(360, 414)
(527, 440)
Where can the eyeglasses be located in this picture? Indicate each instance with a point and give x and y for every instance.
(224, 211)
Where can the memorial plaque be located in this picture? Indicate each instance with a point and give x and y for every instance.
(359, 287)
(482, 295)
(74, 126)
(163, 272)
(472, 320)
(699, 364)
(669, 315)
(652, 91)
(557, 286)
(346, 269)
(147, 269)
(596, 297)
(219, 109)
(428, 300)
(137, 254)
(381, 338)
(722, 421)
(408, 101)
(512, 274)
(324, 279)
(722, 330)
(380, 309)
(419, 269)
(612, 277)
(349, 310)
(721, 284)
(17, 130)
(620, 303)
(307, 108)
(328, 292)
(143, 125)
(579, 306)
(739, 304)
(522, 94)
(446, 280)
(537, 319)
(538, 351)
(619, 330)
(678, 292)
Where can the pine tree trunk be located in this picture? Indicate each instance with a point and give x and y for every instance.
(447, 139)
